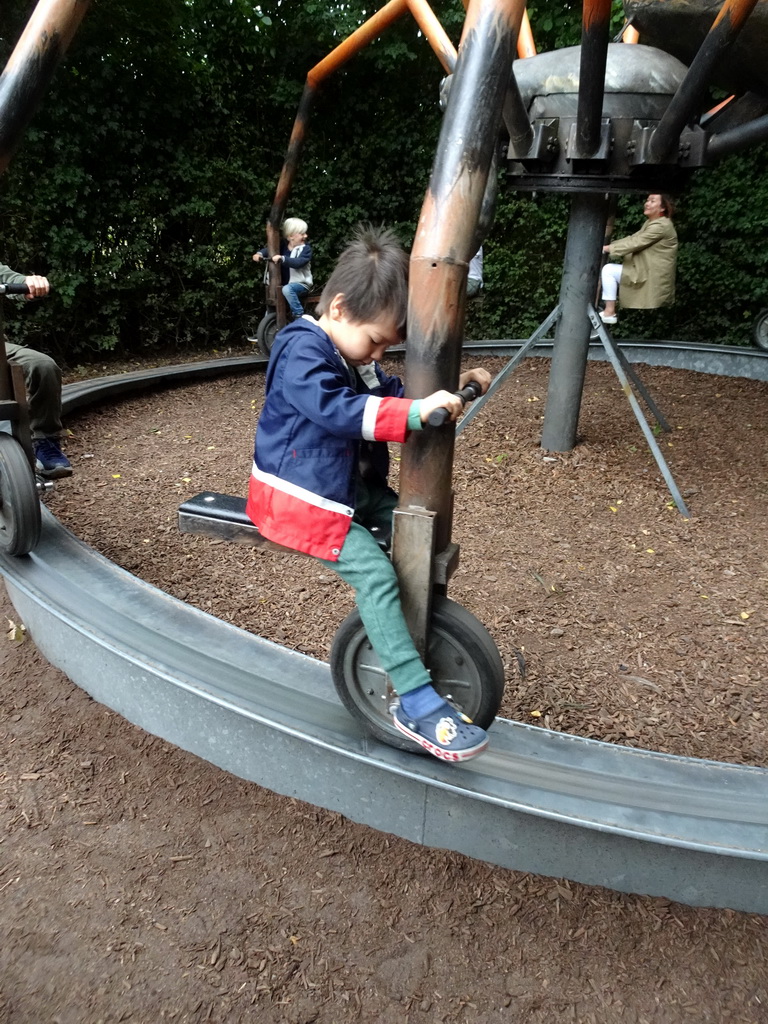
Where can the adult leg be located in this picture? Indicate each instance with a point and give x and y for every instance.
(610, 276)
(294, 296)
(42, 378)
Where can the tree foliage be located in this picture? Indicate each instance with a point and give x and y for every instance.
(143, 183)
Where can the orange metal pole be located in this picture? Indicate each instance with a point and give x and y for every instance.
(434, 33)
(526, 47)
(30, 67)
(595, 22)
(735, 12)
(51, 26)
(724, 31)
(595, 13)
(359, 38)
(445, 239)
(720, 106)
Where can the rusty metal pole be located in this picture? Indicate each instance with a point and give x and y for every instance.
(31, 67)
(750, 134)
(594, 50)
(365, 34)
(724, 31)
(526, 47)
(22, 85)
(284, 185)
(438, 273)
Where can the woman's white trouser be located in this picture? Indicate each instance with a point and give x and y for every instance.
(610, 277)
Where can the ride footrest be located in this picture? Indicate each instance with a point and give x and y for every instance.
(221, 516)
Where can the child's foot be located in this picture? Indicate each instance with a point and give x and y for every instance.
(443, 732)
(609, 318)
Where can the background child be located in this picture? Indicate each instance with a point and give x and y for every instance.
(295, 263)
(320, 463)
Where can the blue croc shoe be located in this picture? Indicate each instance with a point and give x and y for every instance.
(50, 460)
(444, 732)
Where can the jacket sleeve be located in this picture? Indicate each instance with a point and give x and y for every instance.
(648, 234)
(315, 384)
(8, 276)
(297, 262)
(389, 385)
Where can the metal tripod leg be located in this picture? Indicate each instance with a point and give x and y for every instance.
(500, 377)
(620, 364)
(606, 339)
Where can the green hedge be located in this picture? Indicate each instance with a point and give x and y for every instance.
(143, 184)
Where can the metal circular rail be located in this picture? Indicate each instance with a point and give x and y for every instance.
(547, 802)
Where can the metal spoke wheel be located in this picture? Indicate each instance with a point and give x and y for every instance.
(266, 331)
(463, 660)
(760, 330)
(19, 503)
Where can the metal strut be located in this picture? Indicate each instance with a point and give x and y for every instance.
(624, 371)
(540, 333)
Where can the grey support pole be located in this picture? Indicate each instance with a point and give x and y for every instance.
(583, 249)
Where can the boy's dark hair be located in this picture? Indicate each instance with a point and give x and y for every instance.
(372, 275)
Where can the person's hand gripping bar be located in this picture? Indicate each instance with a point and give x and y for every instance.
(34, 287)
(441, 415)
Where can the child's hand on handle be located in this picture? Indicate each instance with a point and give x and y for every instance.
(445, 406)
(438, 417)
(479, 375)
(441, 400)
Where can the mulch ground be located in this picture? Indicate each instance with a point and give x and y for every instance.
(139, 883)
(637, 625)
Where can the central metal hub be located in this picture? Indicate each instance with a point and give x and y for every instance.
(640, 82)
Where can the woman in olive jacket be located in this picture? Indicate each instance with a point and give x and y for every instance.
(647, 275)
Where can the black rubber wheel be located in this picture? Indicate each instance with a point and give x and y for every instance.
(760, 330)
(464, 663)
(19, 503)
(266, 331)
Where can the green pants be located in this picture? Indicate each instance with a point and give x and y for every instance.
(42, 379)
(364, 566)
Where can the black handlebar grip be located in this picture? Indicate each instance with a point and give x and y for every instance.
(14, 289)
(468, 394)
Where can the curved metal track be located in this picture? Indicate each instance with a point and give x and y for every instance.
(547, 802)
(721, 360)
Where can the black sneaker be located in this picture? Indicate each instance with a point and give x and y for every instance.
(50, 460)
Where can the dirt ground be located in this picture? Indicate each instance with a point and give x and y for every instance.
(138, 883)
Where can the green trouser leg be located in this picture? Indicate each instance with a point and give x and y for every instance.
(42, 379)
(364, 566)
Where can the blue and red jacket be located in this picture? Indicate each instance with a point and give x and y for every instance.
(303, 482)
